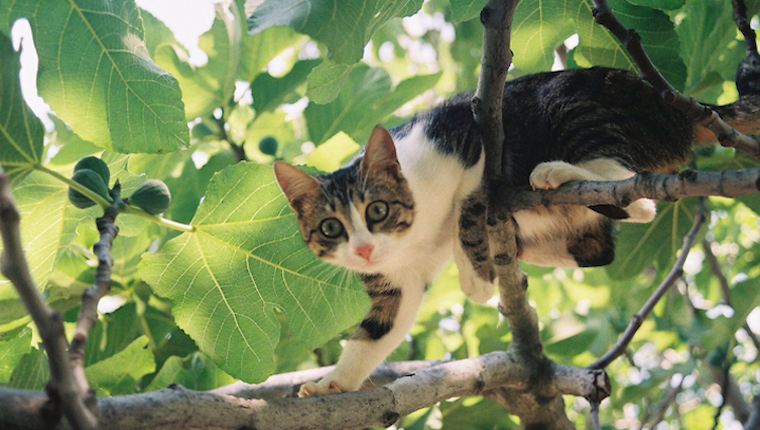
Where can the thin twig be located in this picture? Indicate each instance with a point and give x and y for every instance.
(662, 406)
(725, 288)
(595, 415)
(61, 388)
(703, 115)
(674, 274)
(88, 312)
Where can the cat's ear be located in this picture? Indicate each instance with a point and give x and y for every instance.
(380, 153)
(294, 182)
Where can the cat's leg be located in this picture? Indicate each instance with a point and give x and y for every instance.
(392, 314)
(552, 174)
(477, 274)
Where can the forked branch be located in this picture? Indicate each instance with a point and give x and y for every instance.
(702, 115)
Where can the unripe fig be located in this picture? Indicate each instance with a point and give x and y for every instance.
(268, 145)
(96, 165)
(92, 180)
(152, 196)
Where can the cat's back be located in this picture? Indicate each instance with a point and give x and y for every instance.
(582, 114)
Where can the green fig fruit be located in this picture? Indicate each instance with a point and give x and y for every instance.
(92, 180)
(268, 145)
(152, 196)
(95, 164)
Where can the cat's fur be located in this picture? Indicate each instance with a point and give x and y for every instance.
(400, 203)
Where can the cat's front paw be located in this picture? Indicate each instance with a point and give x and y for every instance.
(477, 289)
(550, 175)
(325, 386)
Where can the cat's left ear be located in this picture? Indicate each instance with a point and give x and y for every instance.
(380, 153)
(294, 183)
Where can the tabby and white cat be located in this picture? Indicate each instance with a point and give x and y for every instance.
(394, 214)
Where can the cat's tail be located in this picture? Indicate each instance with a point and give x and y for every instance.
(743, 114)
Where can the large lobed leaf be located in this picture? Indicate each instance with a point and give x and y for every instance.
(96, 75)
(344, 26)
(245, 260)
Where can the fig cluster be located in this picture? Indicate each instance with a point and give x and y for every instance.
(152, 196)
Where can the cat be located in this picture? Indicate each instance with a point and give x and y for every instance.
(399, 211)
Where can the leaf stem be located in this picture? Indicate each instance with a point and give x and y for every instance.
(131, 210)
(92, 195)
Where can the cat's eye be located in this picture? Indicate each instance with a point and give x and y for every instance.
(377, 211)
(331, 228)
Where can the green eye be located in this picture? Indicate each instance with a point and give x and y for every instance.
(377, 211)
(331, 228)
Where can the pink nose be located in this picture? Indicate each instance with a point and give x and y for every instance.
(364, 251)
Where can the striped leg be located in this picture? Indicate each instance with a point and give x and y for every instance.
(477, 274)
(392, 314)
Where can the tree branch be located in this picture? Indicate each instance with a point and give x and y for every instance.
(88, 312)
(61, 388)
(704, 116)
(657, 186)
(176, 407)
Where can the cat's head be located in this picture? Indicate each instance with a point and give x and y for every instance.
(356, 216)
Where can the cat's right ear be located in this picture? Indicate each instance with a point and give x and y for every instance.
(294, 182)
(380, 153)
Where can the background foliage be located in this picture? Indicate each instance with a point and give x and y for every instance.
(221, 287)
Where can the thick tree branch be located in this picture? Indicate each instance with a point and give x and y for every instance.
(704, 116)
(675, 273)
(61, 388)
(176, 407)
(496, 18)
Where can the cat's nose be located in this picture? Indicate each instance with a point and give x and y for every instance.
(364, 251)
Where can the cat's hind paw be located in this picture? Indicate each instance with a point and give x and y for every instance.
(550, 175)
(320, 388)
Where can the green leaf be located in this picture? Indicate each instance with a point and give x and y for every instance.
(659, 4)
(365, 100)
(538, 28)
(639, 245)
(96, 75)
(20, 131)
(195, 372)
(113, 333)
(211, 85)
(260, 49)
(43, 199)
(120, 373)
(246, 259)
(269, 92)
(326, 80)
(329, 156)
(344, 27)
(707, 35)
(32, 372)
(11, 352)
